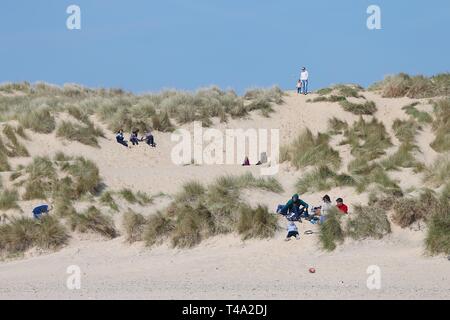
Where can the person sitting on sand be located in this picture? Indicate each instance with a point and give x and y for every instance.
(120, 139)
(294, 209)
(149, 139)
(134, 137)
(341, 206)
(320, 213)
(299, 86)
(246, 162)
(292, 231)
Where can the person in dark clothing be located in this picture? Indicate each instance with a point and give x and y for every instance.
(294, 209)
(150, 140)
(120, 139)
(134, 138)
(40, 210)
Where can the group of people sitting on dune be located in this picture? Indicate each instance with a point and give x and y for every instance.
(134, 139)
(296, 209)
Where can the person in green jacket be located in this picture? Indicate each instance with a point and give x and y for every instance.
(294, 208)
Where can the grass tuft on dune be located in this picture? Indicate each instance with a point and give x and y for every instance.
(310, 150)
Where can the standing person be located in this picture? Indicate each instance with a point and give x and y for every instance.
(299, 86)
(341, 206)
(304, 76)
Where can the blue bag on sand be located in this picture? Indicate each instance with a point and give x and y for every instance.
(38, 211)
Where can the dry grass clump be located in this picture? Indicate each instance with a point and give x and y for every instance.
(85, 175)
(21, 234)
(273, 94)
(41, 178)
(133, 224)
(406, 132)
(337, 126)
(419, 116)
(409, 210)
(14, 147)
(309, 150)
(441, 125)
(323, 179)
(437, 240)
(330, 98)
(8, 199)
(107, 199)
(63, 207)
(95, 221)
(39, 120)
(158, 228)
(438, 173)
(256, 223)
(10, 87)
(418, 87)
(86, 134)
(138, 197)
(4, 163)
(368, 140)
(368, 222)
(366, 108)
(366, 175)
(341, 90)
(331, 231)
(69, 179)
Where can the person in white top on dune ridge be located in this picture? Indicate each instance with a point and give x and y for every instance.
(304, 78)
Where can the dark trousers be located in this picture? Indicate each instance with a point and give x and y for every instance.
(134, 141)
(122, 142)
(292, 234)
(151, 142)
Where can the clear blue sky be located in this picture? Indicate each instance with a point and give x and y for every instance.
(147, 45)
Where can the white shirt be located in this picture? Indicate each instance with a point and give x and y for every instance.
(292, 228)
(304, 75)
(326, 207)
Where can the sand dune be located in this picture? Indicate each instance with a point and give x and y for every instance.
(226, 267)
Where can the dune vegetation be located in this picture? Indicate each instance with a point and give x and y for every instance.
(36, 106)
(404, 85)
(199, 212)
(310, 150)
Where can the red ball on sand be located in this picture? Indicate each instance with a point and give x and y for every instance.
(312, 270)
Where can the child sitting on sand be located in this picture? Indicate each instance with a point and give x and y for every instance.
(292, 231)
(341, 206)
(149, 139)
(134, 137)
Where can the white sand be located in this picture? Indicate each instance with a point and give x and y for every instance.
(225, 267)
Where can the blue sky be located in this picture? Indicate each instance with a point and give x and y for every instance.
(148, 45)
